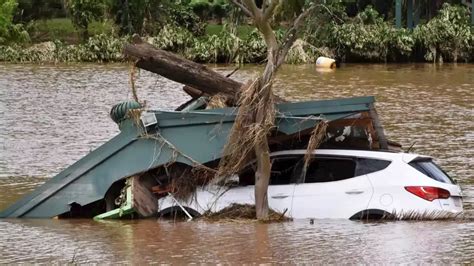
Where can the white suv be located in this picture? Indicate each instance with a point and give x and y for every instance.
(350, 184)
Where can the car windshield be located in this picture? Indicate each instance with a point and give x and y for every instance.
(430, 169)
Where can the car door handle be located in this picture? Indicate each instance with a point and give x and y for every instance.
(354, 192)
(279, 196)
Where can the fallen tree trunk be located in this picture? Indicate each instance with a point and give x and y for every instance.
(176, 68)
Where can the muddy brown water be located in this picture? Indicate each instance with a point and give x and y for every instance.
(50, 116)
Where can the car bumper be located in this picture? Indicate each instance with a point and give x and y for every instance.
(452, 205)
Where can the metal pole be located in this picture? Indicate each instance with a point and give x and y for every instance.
(416, 19)
(410, 14)
(398, 13)
(472, 13)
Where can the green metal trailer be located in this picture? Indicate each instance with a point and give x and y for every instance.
(160, 138)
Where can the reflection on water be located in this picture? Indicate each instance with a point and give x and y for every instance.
(50, 116)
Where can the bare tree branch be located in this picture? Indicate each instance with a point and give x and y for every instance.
(268, 11)
(292, 34)
(243, 7)
(256, 12)
(264, 6)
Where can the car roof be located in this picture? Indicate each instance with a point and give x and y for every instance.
(385, 155)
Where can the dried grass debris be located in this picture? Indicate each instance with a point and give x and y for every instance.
(243, 212)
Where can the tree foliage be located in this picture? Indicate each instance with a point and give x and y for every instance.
(148, 17)
(448, 35)
(39, 9)
(369, 37)
(83, 12)
(9, 31)
(7, 9)
(174, 26)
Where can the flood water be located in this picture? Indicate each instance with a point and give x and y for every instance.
(50, 116)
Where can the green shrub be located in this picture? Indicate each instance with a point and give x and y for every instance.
(99, 48)
(369, 38)
(173, 38)
(221, 47)
(10, 32)
(448, 36)
(83, 12)
(62, 29)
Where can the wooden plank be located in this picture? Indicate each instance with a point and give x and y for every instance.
(144, 201)
(161, 190)
(378, 128)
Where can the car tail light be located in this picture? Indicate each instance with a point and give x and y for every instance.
(429, 193)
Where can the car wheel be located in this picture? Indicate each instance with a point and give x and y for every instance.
(372, 214)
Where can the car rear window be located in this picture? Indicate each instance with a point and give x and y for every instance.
(430, 169)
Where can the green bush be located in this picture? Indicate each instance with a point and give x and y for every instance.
(63, 30)
(221, 47)
(448, 36)
(99, 48)
(10, 32)
(173, 38)
(83, 12)
(369, 38)
(366, 37)
(205, 9)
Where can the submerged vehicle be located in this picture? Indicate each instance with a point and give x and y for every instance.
(347, 184)
(157, 153)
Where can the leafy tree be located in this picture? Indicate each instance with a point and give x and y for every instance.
(368, 37)
(448, 35)
(148, 17)
(39, 9)
(83, 12)
(7, 9)
(10, 32)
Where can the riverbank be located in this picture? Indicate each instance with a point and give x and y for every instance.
(449, 37)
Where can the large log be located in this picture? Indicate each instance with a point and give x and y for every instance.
(181, 70)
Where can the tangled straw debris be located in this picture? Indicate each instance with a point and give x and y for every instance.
(243, 212)
(317, 137)
(246, 133)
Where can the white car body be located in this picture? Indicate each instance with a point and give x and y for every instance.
(377, 192)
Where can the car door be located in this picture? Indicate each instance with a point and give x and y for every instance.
(331, 189)
(285, 172)
(280, 189)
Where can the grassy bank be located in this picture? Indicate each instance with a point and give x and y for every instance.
(62, 29)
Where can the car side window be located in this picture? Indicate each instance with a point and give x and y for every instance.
(284, 171)
(366, 166)
(330, 169)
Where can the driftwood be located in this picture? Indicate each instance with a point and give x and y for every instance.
(196, 77)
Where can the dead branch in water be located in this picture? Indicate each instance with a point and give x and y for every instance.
(132, 83)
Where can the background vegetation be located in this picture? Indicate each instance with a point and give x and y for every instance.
(214, 31)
